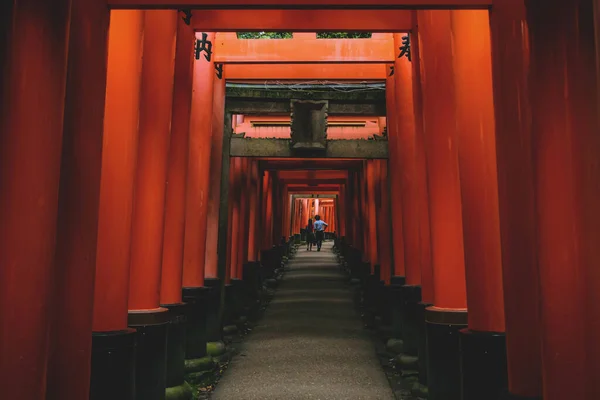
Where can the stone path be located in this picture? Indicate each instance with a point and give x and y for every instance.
(310, 344)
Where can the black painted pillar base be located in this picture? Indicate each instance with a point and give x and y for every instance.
(234, 301)
(229, 307)
(176, 339)
(388, 306)
(509, 396)
(113, 365)
(395, 301)
(483, 365)
(443, 352)
(214, 321)
(252, 281)
(371, 295)
(411, 296)
(151, 353)
(195, 328)
(421, 307)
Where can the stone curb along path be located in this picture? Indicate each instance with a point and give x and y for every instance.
(310, 344)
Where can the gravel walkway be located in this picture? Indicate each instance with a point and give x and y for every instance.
(310, 344)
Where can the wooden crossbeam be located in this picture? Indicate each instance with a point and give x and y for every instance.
(236, 20)
(301, 4)
(364, 149)
(306, 71)
(261, 107)
(305, 51)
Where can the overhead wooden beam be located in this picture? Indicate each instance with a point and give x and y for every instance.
(307, 71)
(364, 149)
(301, 4)
(314, 196)
(313, 175)
(257, 107)
(305, 51)
(315, 190)
(292, 182)
(232, 20)
(311, 165)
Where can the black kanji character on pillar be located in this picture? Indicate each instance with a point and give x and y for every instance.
(187, 16)
(392, 70)
(405, 48)
(219, 69)
(203, 45)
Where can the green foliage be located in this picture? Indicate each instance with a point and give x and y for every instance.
(264, 35)
(344, 35)
(288, 35)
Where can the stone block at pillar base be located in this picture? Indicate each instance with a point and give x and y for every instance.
(151, 352)
(421, 307)
(484, 372)
(176, 339)
(206, 363)
(195, 328)
(181, 392)
(214, 304)
(443, 352)
(216, 349)
(410, 297)
(113, 365)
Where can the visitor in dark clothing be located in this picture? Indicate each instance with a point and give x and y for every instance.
(310, 235)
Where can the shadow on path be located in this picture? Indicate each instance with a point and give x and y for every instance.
(310, 343)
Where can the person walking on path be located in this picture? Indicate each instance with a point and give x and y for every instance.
(310, 235)
(319, 227)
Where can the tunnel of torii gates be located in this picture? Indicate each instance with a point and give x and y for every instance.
(486, 200)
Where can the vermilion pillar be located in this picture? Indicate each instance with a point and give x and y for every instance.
(483, 344)
(172, 254)
(198, 183)
(341, 210)
(267, 241)
(220, 122)
(235, 199)
(277, 213)
(145, 313)
(230, 270)
(172, 264)
(425, 249)
(394, 120)
(371, 211)
(410, 206)
(445, 209)
(70, 349)
(214, 195)
(421, 169)
(31, 130)
(516, 193)
(403, 177)
(383, 223)
(364, 213)
(356, 209)
(564, 102)
(112, 360)
(253, 212)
